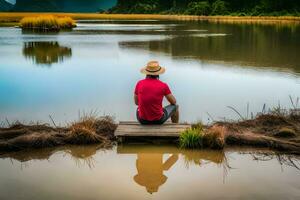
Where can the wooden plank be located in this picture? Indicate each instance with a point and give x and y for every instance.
(152, 129)
(152, 126)
(127, 129)
(137, 123)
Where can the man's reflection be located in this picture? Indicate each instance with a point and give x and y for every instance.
(150, 169)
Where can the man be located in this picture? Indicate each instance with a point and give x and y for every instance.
(149, 94)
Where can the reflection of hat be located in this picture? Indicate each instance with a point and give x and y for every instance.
(151, 183)
(153, 68)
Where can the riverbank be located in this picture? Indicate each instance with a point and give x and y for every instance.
(87, 130)
(280, 132)
(15, 17)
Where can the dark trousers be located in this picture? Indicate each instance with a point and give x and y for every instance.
(168, 112)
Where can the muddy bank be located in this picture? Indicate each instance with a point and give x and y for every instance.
(275, 131)
(280, 132)
(88, 130)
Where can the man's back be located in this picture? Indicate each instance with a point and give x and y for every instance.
(150, 92)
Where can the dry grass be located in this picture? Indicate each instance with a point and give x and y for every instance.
(91, 129)
(87, 130)
(286, 132)
(47, 22)
(66, 22)
(17, 16)
(215, 137)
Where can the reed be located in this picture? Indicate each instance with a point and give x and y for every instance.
(17, 16)
(47, 23)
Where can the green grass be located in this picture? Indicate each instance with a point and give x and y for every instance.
(198, 138)
(191, 139)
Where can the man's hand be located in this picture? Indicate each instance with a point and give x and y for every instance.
(136, 99)
(171, 99)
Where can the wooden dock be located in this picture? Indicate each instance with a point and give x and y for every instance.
(134, 129)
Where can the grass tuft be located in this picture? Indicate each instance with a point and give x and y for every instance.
(91, 129)
(191, 139)
(214, 137)
(197, 138)
(47, 23)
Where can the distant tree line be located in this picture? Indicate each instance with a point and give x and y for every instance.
(209, 7)
(57, 5)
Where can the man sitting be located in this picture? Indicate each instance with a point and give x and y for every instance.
(149, 94)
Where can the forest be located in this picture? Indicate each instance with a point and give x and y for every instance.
(186, 7)
(58, 5)
(209, 7)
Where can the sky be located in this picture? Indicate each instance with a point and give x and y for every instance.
(11, 1)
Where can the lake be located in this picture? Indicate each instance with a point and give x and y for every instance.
(95, 68)
(148, 172)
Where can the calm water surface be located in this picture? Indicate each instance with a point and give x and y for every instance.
(148, 172)
(96, 66)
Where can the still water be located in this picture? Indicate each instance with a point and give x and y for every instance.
(95, 67)
(148, 172)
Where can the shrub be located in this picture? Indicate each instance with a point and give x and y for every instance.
(198, 8)
(219, 8)
(47, 22)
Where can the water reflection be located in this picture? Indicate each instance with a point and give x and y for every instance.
(81, 155)
(150, 168)
(46, 53)
(137, 170)
(194, 157)
(239, 44)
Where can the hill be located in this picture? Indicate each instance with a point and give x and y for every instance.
(5, 6)
(63, 5)
(209, 7)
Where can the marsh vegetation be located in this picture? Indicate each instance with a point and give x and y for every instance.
(47, 23)
(277, 131)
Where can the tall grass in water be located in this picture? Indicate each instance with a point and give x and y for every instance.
(47, 22)
(198, 138)
(66, 22)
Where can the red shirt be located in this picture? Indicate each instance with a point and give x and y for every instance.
(150, 94)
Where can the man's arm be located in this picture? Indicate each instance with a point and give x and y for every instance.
(171, 99)
(136, 99)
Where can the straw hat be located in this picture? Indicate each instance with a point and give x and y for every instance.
(153, 68)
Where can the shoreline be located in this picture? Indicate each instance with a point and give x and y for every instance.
(6, 17)
(275, 131)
